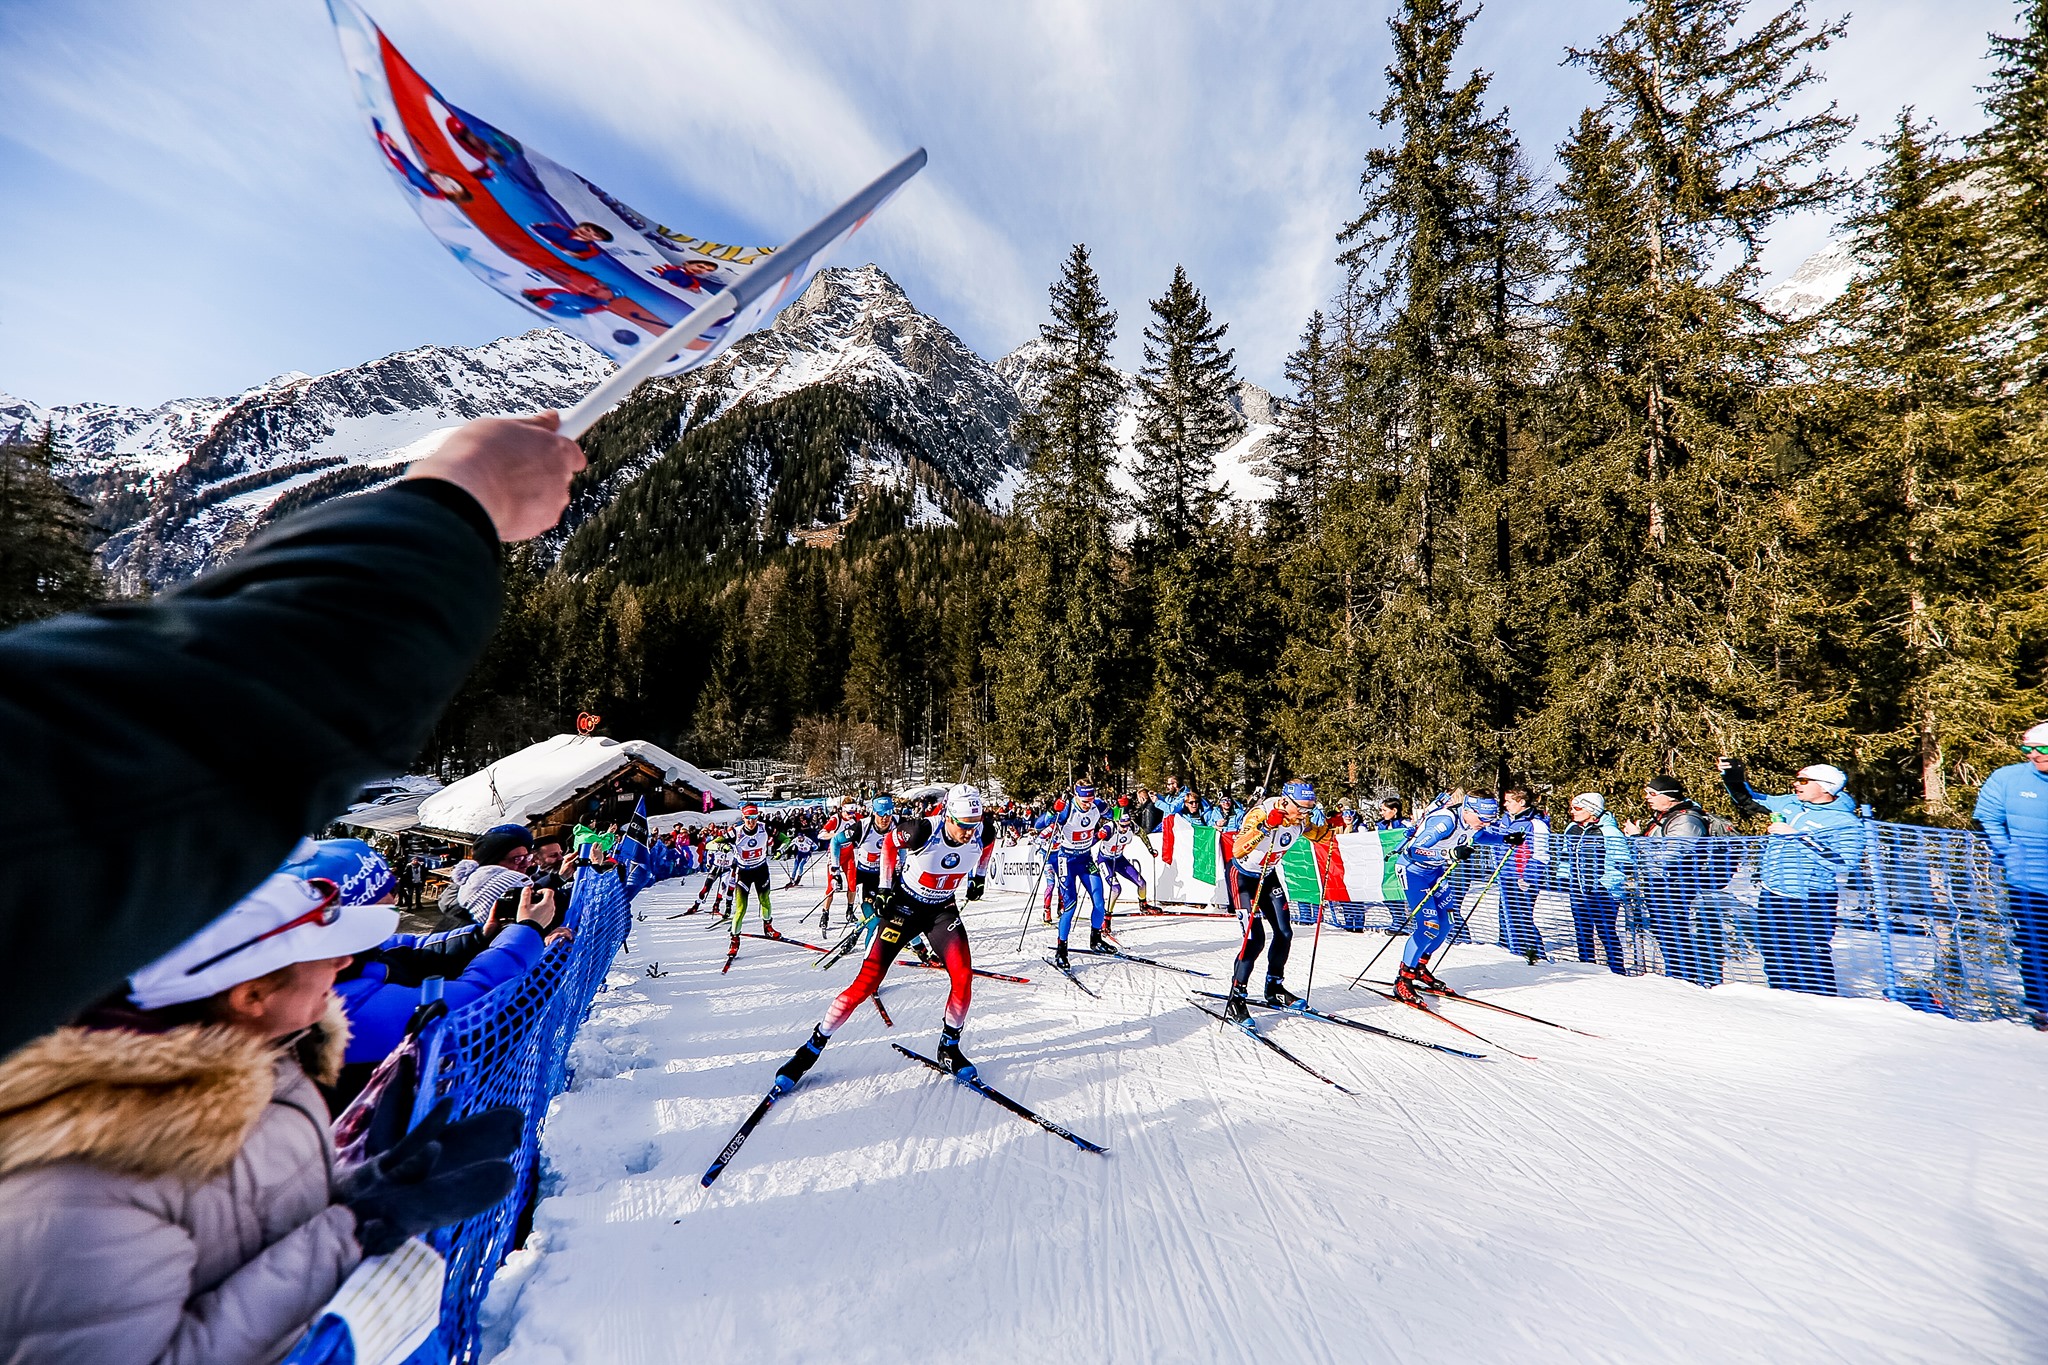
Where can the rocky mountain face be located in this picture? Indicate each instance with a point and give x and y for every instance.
(183, 485)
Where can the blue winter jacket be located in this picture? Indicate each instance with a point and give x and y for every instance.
(378, 1009)
(2013, 808)
(1826, 845)
(1593, 856)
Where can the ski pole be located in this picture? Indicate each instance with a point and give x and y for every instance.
(1463, 923)
(1031, 901)
(1395, 937)
(1314, 944)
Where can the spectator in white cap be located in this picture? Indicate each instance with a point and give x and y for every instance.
(167, 1181)
(2012, 810)
(1817, 841)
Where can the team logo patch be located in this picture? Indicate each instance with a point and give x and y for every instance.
(950, 860)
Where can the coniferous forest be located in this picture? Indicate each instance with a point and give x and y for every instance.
(1560, 498)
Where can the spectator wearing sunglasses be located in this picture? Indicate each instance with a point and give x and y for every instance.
(2012, 810)
(168, 1189)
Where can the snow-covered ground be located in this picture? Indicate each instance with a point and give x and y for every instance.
(1727, 1175)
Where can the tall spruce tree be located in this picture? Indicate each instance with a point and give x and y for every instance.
(46, 537)
(1301, 456)
(1186, 416)
(1057, 703)
(2012, 155)
(1418, 257)
(1667, 573)
(1918, 506)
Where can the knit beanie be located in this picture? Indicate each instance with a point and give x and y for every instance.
(1666, 785)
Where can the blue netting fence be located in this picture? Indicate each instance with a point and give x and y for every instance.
(512, 1047)
(1898, 912)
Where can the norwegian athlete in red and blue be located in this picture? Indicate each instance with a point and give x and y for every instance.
(925, 862)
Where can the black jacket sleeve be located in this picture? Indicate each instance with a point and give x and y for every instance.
(161, 757)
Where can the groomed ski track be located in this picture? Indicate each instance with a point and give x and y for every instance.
(1735, 1174)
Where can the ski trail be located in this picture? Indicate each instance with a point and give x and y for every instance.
(1726, 1174)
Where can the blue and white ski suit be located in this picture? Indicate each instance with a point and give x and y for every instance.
(1075, 831)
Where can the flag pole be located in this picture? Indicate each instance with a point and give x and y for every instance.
(767, 273)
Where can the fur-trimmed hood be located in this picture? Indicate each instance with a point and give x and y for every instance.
(181, 1102)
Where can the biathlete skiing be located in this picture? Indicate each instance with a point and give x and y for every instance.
(870, 847)
(1116, 866)
(1269, 830)
(1076, 825)
(750, 844)
(1431, 884)
(924, 862)
(841, 832)
(718, 877)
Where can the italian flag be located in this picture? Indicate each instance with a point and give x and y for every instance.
(1351, 867)
(1190, 863)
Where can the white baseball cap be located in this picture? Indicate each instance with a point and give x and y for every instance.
(2037, 733)
(1827, 774)
(285, 920)
(963, 803)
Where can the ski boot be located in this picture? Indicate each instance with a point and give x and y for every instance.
(1427, 980)
(1059, 955)
(768, 929)
(1099, 944)
(1234, 1007)
(1408, 986)
(799, 1062)
(924, 953)
(950, 1058)
(1277, 994)
(1145, 907)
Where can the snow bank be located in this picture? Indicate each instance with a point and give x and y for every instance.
(1724, 1175)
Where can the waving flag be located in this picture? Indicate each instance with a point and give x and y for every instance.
(556, 244)
(1350, 867)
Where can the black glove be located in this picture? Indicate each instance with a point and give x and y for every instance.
(1461, 853)
(438, 1173)
(974, 887)
(1514, 837)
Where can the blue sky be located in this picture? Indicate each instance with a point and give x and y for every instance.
(191, 206)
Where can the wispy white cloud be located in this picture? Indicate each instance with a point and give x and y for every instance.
(219, 147)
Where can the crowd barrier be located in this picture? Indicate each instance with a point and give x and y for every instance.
(512, 1047)
(1899, 912)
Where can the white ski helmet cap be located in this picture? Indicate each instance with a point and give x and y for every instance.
(2036, 733)
(963, 803)
(1827, 774)
(285, 920)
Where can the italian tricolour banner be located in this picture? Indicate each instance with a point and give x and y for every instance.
(1188, 870)
(1351, 867)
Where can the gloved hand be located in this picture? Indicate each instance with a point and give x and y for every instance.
(1461, 853)
(438, 1173)
(1274, 819)
(1514, 837)
(974, 887)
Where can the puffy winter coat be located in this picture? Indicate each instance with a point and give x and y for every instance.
(1825, 845)
(2013, 808)
(378, 1007)
(167, 1197)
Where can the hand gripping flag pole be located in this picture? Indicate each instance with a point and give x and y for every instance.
(756, 290)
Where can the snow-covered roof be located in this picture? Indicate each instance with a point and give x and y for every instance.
(542, 776)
